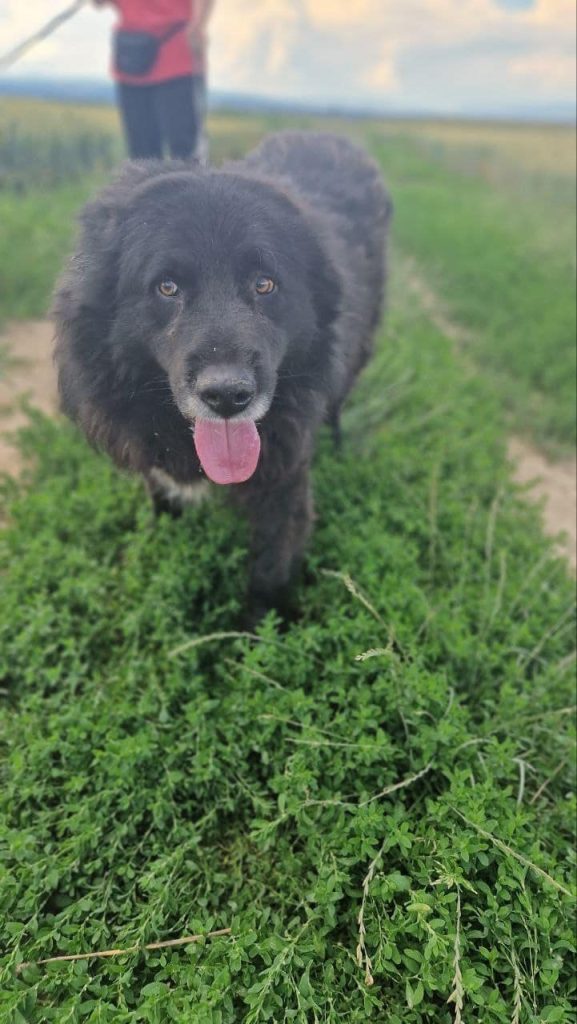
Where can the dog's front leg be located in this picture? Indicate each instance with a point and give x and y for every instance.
(281, 519)
(170, 496)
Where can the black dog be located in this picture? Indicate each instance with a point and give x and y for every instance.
(216, 318)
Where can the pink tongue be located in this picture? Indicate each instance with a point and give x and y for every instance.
(229, 450)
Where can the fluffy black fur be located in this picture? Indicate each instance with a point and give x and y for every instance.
(309, 211)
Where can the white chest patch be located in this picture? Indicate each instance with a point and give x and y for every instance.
(183, 494)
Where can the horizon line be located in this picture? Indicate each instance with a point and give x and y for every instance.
(46, 87)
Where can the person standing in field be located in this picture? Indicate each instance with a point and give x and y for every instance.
(159, 65)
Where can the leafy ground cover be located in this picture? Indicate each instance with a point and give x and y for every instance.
(378, 800)
(160, 778)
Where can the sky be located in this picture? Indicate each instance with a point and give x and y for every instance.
(443, 56)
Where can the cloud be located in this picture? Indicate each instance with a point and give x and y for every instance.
(516, 5)
(383, 75)
(254, 41)
(330, 14)
(436, 54)
(559, 13)
(379, 47)
(547, 72)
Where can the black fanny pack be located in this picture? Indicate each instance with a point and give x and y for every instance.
(136, 53)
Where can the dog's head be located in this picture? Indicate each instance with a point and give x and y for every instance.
(216, 281)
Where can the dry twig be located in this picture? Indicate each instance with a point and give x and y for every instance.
(169, 943)
(355, 590)
(547, 782)
(513, 853)
(398, 785)
(363, 958)
(458, 994)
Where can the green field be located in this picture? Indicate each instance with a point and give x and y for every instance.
(379, 800)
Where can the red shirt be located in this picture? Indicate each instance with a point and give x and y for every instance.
(175, 57)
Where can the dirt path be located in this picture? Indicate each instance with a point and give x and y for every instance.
(555, 483)
(30, 374)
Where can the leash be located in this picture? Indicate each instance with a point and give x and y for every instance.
(12, 56)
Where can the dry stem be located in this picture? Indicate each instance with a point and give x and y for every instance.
(458, 994)
(130, 949)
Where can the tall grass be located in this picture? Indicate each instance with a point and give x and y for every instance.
(40, 153)
(52, 156)
(503, 274)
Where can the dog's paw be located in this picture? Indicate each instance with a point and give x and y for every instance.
(253, 615)
(282, 603)
(162, 506)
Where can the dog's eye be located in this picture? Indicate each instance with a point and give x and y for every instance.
(168, 288)
(265, 285)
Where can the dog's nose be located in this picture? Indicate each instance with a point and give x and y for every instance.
(226, 392)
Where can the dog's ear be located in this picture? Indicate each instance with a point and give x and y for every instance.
(85, 293)
(95, 264)
(84, 304)
(85, 298)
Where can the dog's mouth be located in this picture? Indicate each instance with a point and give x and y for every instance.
(228, 450)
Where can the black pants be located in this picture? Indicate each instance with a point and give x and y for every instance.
(168, 115)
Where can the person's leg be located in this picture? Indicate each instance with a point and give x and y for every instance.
(140, 121)
(180, 115)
